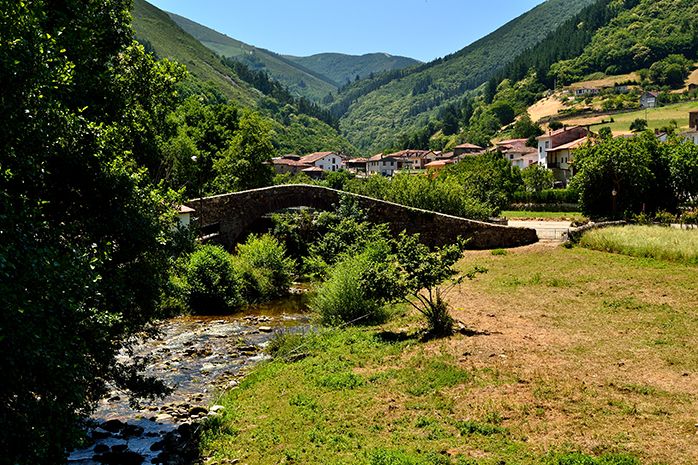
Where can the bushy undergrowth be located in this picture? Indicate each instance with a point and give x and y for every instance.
(345, 297)
(264, 268)
(210, 280)
(646, 241)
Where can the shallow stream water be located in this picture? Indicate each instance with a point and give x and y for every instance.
(199, 357)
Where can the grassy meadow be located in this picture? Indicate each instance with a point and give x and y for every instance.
(570, 357)
(656, 118)
(646, 241)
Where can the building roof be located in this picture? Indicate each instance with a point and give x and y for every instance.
(313, 169)
(512, 142)
(469, 146)
(288, 162)
(408, 153)
(182, 209)
(357, 160)
(380, 156)
(570, 145)
(559, 131)
(313, 157)
(445, 156)
(438, 163)
(653, 94)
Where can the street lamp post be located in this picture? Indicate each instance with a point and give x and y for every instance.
(614, 194)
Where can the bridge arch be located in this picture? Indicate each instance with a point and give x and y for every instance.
(231, 215)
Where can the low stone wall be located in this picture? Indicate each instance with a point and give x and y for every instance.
(574, 235)
(231, 215)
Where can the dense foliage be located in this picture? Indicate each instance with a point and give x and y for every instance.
(645, 174)
(642, 33)
(476, 187)
(84, 237)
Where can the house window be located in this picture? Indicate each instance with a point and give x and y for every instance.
(547, 144)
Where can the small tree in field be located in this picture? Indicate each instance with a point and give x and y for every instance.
(424, 272)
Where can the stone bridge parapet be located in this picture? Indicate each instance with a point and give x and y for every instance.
(227, 217)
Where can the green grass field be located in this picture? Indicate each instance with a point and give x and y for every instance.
(561, 216)
(572, 356)
(656, 117)
(646, 241)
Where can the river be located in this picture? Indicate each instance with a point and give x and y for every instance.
(199, 357)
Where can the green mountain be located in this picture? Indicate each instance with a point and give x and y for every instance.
(299, 80)
(154, 27)
(343, 68)
(383, 109)
(295, 121)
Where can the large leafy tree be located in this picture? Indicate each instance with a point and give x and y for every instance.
(244, 164)
(637, 170)
(83, 233)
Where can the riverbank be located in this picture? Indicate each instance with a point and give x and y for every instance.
(570, 356)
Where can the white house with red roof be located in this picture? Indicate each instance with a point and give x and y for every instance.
(557, 138)
(518, 153)
(327, 161)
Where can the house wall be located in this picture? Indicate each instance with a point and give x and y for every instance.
(332, 162)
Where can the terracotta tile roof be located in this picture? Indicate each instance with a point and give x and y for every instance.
(313, 157)
(357, 160)
(558, 131)
(570, 145)
(437, 163)
(288, 162)
(313, 169)
(408, 153)
(380, 156)
(468, 146)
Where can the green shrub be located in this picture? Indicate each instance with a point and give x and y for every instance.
(343, 298)
(664, 218)
(210, 282)
(265, 270)
(499, 252)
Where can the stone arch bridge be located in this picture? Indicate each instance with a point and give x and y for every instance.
(225, 218)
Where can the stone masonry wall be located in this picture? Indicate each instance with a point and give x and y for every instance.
(232, 215)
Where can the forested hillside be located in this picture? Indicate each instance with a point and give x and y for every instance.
(375, 120)
(298, 79)
(154, 28)
(343, 68)
(642, 33)
(298, 125)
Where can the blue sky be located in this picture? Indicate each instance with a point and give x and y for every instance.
(421, 29)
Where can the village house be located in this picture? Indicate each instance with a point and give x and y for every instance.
(560, 158)
(383, 164)
(467, 149)
(557, 138)
(518, 153)
(357, 165)
(288, 164)
(649, 100)
(410, 159)
(327, 161)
